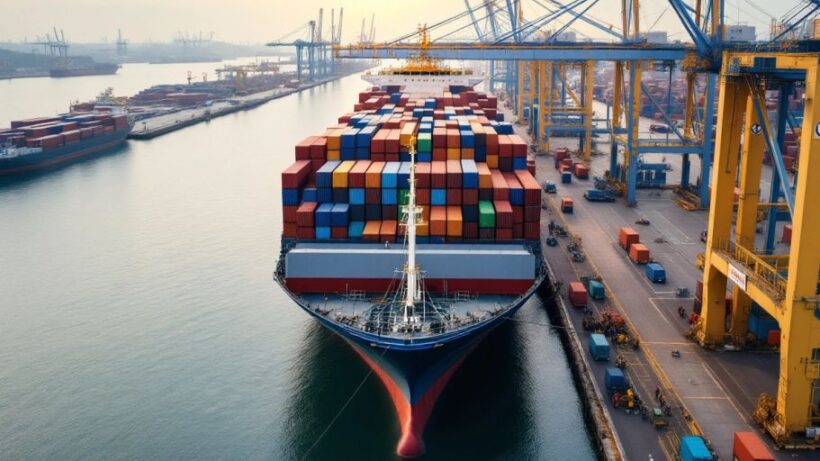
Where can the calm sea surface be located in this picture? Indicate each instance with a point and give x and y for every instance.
(138, 318)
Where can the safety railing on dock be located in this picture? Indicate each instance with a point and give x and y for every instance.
(763, 273)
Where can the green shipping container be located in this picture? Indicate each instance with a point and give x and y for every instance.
(486, 214)
(424, 142)
(404, 196)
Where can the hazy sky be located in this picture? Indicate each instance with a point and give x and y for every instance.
(258, 21)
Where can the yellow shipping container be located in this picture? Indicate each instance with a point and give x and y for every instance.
(453, 153)
(340, 174)
(333, 154)
(334, 139)
(407, 132)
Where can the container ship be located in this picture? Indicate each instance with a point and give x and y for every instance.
(43, 142)
(82, 70)
(411, 230)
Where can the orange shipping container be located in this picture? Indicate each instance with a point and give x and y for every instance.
(747, 446)
(372, 231)
(627, 236)
(340, 174)
(485, 178)
(639, 253)
(408, 130)
(438, 221)
(389, 230)
(455, 223)
(373, 177)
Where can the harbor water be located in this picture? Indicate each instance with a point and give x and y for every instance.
(139, 319)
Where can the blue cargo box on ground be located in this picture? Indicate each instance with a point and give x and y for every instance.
(693, 448)
(614, 379)
(656, 273)
(598, 346)
(596, 289)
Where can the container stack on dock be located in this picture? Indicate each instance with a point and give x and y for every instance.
(471, 173)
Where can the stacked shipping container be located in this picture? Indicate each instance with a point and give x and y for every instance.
(472, 180)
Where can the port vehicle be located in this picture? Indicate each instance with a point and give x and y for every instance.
(549, 187)
(595, 195)
(660, 128)
(372, 250)
(42, 142)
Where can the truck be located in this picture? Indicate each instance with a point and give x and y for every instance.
(549, 187)
(747, 446)
(598, 347)
(693, 448)
(656, 273)
(595, 195)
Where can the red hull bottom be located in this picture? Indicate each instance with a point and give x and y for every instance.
(412, 417)
(343, 285)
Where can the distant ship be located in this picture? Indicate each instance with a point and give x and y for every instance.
(80, 70)
(37, 143)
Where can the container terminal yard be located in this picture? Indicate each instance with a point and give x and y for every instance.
(703, 295)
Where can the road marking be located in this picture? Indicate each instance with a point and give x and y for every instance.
(652, 300)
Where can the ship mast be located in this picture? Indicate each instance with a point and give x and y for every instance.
(411, 270)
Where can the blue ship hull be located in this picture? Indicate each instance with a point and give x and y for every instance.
(66, 153)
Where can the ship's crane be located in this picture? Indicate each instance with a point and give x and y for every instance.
(122, 44)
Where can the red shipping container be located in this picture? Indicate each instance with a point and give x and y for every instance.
(532, 213)
(372, 196)
(338, 233)
(423, 196)
(627, 236)
(518, 145)
(500, 188)
(295, 175)
(305, 233)
(532, 191)
(304, 214)
(505, 146)
(513, 184)
(378, 142)
(577, 294)
(356, 175)
(439, 154)
(503, 234)
(787, 234)
(391, 145)
(289, 230)
(581, 171)
(518, 215)
(439, 137)
(453, 196)
(773, 338)
(289, 214)
(747, 446)
(486, 234)
(453, 174)
(303, 148)
(423, 172)
(639, 253)
(471, 230)
(438, 175)
(532, 230)
(318, 150)
(699, 289)
(438, 221)
(503, 214)
(469, 196)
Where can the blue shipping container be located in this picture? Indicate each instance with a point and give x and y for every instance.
(363, 153)
(596, 289)
(404, 176)
(656, 273)
(322, 233)
(323, 216)
(324, 175)
(349, 138)
(339, 215)
(390, 197)
(356, 196)
(290, 197)
(693, 448)
(357, 213)
(519, 163)
(467, 139)
(310, 194)
(614, 379)
(390, 175)
(438, 197)
(566, 177)
(469, 174)
(355, 230)
(598, 347)
(364, 136)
